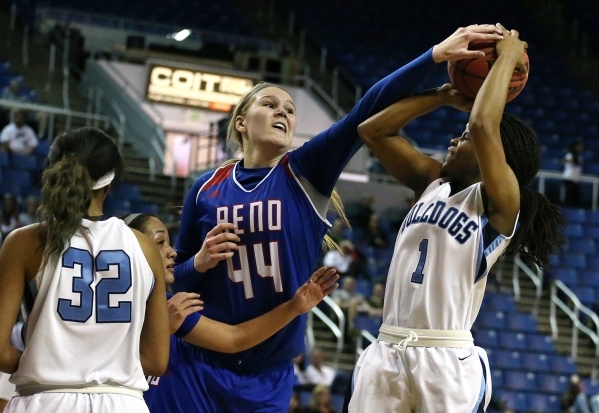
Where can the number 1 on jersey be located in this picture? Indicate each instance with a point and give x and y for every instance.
(417, 275)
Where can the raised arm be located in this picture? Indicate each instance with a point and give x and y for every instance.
(322, 159)
(225, 338)
(499, 181)
(408, 166)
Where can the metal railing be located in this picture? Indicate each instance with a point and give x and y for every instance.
(543, 176)
(574, 314)
(337, 329)
(53, 111)
(536, 276)
(364, 335)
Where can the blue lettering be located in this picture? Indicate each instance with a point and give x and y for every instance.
(457, 224)
(467, 232)
(439, 207)
(419, 218)
(448, 217)
(424, 216)
(413, 214)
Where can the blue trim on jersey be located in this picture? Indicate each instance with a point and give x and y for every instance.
(480, 403)
(490, 241)
(188, 323)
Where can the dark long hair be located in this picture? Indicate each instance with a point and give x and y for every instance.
(541, 224)
(76, 160)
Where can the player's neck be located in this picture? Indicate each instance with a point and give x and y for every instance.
(256, 158)
(95, 208)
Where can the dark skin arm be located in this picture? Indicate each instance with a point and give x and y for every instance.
(500, 186)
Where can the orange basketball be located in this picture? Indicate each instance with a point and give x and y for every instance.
(468, 75)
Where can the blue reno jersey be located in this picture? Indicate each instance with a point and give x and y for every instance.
(280, 213)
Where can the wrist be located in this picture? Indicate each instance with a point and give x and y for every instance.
(197, 264)
(293, 307)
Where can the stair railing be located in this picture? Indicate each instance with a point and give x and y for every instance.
(536, 276)
(337, 329)
(364, 335)
(574, 314)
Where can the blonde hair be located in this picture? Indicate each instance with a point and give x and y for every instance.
(234, 139)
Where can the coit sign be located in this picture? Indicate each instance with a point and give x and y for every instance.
(167, 84)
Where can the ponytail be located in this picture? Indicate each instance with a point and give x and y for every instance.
(336, 206)
(67, 195)
(541, 230)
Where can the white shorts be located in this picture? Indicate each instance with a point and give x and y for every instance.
(7, 389)
(421, 380)
(76, 402)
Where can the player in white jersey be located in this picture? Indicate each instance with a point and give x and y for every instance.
(99, 319)
(468, 211)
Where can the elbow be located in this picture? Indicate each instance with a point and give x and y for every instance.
(365, 132)
(477, 126)
(156, 366)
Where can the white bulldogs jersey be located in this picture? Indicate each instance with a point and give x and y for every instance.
(443, 252)
(85, 325)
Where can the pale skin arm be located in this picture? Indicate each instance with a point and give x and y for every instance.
(499, 182)
(225, 338)
(218, 245)
(155, 338)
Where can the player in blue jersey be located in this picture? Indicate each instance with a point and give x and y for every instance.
(188, 325)
(468, 211)
(278, 202)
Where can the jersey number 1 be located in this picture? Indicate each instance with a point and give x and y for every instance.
(82, 285)
(417, 275)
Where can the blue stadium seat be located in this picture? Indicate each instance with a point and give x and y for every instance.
(540, 343)
(16, 177)
(497, 378)
(541, 403)
(42, 149)
(486, 339)
(573, 231)
(586, 295)
(520, 381)
(515, 400)
(28, 162)
(562, 364)
(495, 320)
(117, 207)
(144, 207)
(589, 278)
(551, 383)
(574, 215)
(507, 360)
(521, 322)
(581, 246)
(592, 217)
(573, 260)
(538, 363)
(512, 341)
(568, 276)
(363, 287)
(591, 231)
(4, 161)
(499, 302)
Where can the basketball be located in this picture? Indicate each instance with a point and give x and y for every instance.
(468, 75)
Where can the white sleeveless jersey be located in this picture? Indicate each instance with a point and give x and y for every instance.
(85, 325)
(443, 252)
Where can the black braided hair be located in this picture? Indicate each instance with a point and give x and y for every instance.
(541, 224)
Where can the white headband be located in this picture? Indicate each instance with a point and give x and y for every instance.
(103, 181)
(129, 218)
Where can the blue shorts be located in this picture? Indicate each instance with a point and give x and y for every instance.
(194, 383)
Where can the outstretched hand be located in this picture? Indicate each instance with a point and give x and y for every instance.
(454, 98)
(180, 306)
(218, 245)
(321, 283)
(455, 47)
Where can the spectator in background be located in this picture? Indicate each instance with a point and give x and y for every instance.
(374, 304)
(295, 404)
(299, 370)
(348, 300)
(375, 235)
(39, 119)
(17, 137)
(347, 260)
(336, 231)
(29, 216)
(10, 220)
(359, 212)
(321, 401)
(318, 373)
(572, 171)
(575, 400)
